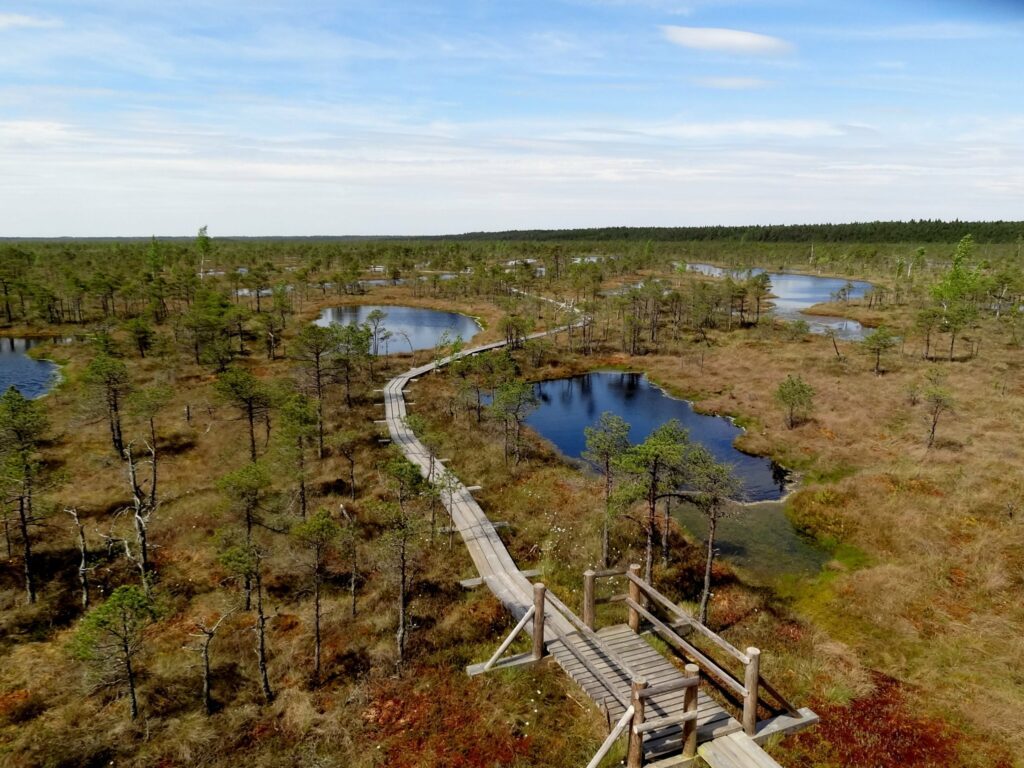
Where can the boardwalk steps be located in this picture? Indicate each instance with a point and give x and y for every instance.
(737, 750)
(712, 721)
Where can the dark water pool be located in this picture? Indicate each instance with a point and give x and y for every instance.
(410, 328)
(758, 537)
(33, 378)
(569, 405)
(795, 293)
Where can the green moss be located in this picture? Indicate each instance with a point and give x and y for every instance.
(828, 473)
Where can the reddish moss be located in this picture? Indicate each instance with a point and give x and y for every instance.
(438, 727)
(880, 730)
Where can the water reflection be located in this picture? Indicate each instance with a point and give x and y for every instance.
(405, 328)
(569, 405)
(795, 293)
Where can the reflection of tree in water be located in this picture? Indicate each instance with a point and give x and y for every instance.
(779, 475)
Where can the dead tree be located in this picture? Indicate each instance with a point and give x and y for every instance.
(205, 635)
(83, 565)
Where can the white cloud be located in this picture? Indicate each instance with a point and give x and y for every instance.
(726, 40)
(731, 83)
(34, 132)
(20, 21)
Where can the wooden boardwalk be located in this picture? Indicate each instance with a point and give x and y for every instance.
(490, 556)
(604, 663)
(644, 663)
(736, 751)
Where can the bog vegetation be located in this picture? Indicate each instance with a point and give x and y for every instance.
(211, 554)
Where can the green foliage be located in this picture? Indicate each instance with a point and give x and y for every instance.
(797, 397)
(405, 477)
(252, 397)
(147, 402)
(141, 333)
(318, 532)
(23, 423)
(120, 620)
(606, 441)
(938, 400)
(513, 401)
(107, 372)
(242, 560)
(246, 485)
(660, 459)
(878, 342)
(714, 482)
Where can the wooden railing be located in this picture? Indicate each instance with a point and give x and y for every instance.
(634, 717)
(643, 600)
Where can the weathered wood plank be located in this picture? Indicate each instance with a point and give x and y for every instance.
(737, 750)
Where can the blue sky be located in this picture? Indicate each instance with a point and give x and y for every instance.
(269, 117)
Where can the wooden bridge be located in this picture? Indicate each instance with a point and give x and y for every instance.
(666, 712)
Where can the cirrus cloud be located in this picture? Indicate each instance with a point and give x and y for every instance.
(726, 40)
(731, 83)
(21, 21)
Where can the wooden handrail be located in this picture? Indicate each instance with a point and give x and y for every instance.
(668, 605)
(675, 685)
(664, 722)
(668, 634)
(608, 573)
(590, 634)
(789, 708)
(508, 640)
(616, 732)
(725, 645)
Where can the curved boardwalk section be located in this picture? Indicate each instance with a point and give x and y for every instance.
(492, 560)
(606, 663)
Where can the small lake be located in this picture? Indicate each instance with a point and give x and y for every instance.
(411, 328)
(569, 405)
(759, 538)
(33, 378)
(793, 293)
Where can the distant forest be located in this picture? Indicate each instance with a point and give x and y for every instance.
(922, 231)
(914, 231)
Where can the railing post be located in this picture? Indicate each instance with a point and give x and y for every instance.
(589, 605)
(538, 621)
(751, 682)
(636, 595)
(690, 705)
(635, 758)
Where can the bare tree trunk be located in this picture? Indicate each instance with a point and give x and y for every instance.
(316, 630)
(152, 455)
(649, 549)
(302, 477)
(250, 413)
(607, 512)
(706, 594)
(24, 513)
(129, 672)
(261, 638)
(7, 534)
(140, 509)
(83, 566)
(666, 532)
(400, 635)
